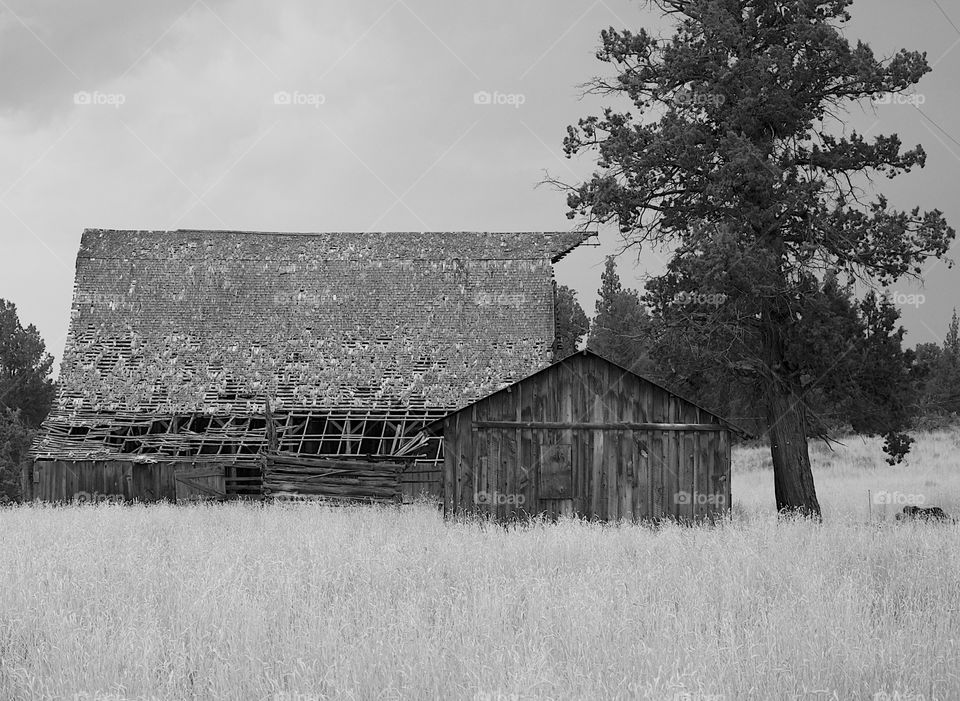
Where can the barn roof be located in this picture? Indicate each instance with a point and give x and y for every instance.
(185, 244)
(436, 426)
(215, 321)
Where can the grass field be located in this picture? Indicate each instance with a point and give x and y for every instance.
(300, 602)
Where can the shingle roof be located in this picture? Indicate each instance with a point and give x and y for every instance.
(214, 321)
(330, 246)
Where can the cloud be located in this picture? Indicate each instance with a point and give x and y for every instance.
(57, 48)
(199, 140)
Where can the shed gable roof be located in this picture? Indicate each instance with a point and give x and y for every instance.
(435, 427)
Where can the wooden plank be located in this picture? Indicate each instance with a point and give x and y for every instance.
(643, 497)
(199, 487)
(556, 471)
(450, 478)
(611, 466)
(526, 473)
(167, 482)
(722, 476)
(516, 467)
(193, 481)
(578, 439)
(207, 472)
(627, 476)
(42, 479)
(687, 487)
(140, 488)
(691, 448)
(673, 456)
(481, 462)
(72, 480)
(108, 469)
(332, 462)
(645, 403)
(526, 457)
(705, 449)
(451, 436)
(126, 479)
(466, 483)
(600, 425)
(493, 472)
(658, 474)
(508, 473)
(567, 386)
(598, 485)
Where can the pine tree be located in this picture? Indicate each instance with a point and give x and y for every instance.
(731, 133)
(25, 367)
(571, 321)
(945, 383)
(621, 327)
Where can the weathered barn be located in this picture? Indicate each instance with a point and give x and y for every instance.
(585, 437)
(179, 338)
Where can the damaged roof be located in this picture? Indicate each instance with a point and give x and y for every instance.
(171, 322)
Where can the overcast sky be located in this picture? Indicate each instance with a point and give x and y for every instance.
(165, 115)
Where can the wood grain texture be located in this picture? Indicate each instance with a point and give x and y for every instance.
(630, 449)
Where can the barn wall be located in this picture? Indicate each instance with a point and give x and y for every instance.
(119, 480)
(586, 465)
(64, 480)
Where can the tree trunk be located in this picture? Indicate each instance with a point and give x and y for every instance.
(792, 474)
(786, 423)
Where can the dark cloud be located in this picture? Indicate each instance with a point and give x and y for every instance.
(51, 49)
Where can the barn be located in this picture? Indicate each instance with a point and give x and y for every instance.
(585, 436)
(190, 353)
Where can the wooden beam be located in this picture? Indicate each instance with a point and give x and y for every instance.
(590, 426)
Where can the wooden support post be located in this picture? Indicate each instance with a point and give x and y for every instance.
(272, 443)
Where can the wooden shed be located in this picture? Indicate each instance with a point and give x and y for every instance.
(586, 437)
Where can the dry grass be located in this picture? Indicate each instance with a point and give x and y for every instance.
(303, 602)
(930, 475)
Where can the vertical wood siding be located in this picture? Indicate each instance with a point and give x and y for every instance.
(119, 480)
(615, 472)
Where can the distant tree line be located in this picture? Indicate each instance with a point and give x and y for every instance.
(857, 375)
(26, 394)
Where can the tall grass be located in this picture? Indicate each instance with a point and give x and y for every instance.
(302, 601)
(854, 481)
